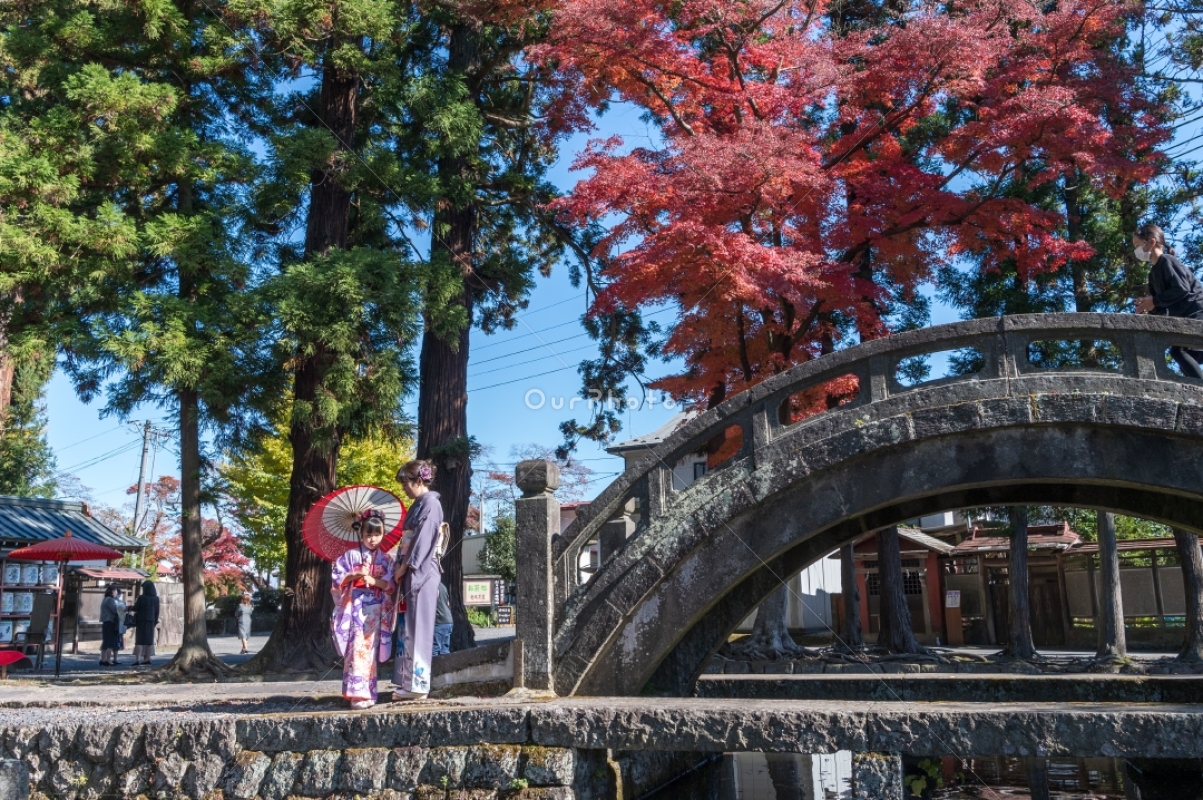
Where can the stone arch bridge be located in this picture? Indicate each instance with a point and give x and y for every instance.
(1124, 437)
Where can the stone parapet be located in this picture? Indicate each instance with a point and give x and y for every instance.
(512, 750)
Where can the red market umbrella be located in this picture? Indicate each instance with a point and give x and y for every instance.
(327, 529)
(63, 549)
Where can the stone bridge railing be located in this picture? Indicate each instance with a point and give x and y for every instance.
(1131, 346)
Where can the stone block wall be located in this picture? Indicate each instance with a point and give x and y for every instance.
(204, 761)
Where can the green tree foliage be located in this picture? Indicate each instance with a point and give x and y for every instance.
(26, 461)
(138, 100)
(498, 556)
(255, 484)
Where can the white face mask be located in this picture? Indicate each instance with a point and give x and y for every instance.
(1142, 253)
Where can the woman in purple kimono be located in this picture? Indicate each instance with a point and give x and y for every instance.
(418, 573)
(363, 589)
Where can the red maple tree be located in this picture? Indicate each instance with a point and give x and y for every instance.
(819, 161)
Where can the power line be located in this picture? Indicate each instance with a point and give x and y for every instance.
(531, 360)
(94, 460)
(90, 438)
(517, 380)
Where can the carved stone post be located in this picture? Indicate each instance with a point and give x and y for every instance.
(536, 520)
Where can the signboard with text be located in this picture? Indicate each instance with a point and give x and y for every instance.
(478, 592)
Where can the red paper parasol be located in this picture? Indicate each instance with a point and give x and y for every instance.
(65, 548)
(327, 527)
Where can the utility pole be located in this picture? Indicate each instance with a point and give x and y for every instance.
(140, 500)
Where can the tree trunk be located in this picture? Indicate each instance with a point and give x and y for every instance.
(1019, 644)
(1191, 559)
(301, 639)
(194, 654)
(851, 633)
(896, 634)
(770, 639)
(1112, 641)
(443, 368)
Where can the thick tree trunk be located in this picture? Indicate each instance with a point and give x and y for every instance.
(194, 654)
(1019, 643)
(770, 639)
(851, 635)
(1191, 559)
(443, 395)
(1112, 640)
(301, 639)
(896, 634)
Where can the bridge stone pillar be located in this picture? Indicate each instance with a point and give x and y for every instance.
(536, 521)
(613, 535)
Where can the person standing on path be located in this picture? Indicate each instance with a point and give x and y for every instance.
(364, 591)
(419, 575)
(443, 622)
(110, 627)
(146, 620)
(1173, 290)
(245, 609)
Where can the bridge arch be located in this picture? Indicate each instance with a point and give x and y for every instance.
(1128, 440)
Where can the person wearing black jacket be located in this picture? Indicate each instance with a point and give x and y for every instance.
(146, 619)
(1173, 290)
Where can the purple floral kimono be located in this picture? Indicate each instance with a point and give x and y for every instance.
(363, 620)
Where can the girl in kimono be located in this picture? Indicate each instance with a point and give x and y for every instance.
(363, 589)
(418, 574)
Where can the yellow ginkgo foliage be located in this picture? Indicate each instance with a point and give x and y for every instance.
(256, 484)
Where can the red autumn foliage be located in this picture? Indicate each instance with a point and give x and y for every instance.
(227, 569)
(819, 159)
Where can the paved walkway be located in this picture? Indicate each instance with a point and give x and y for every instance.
(87, 664)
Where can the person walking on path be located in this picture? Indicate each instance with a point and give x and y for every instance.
(245, 608)
(364, 590)
(1173, 290)
(146, 620)
(110, 627)
(419, 575)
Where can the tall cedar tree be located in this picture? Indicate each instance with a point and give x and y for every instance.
(345, 296)
(817, 167)
(145, 90)
(482, 122)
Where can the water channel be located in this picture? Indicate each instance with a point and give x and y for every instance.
(785, 776)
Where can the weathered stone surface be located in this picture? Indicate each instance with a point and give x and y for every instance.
(280, 776)
(365, 769)
(444, 767)
(243, 777)
(319, 772)
(203, 774)
(406, 767)
(542, 793)
(14, 780)
(876, 776)
(169, 774)
(537, 476)
(132, 783)
(127, 746)
(548, 766)
(491, 767)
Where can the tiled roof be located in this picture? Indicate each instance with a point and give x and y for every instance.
(1040, 537)
(920, 538)
(657, 436)
(26, 520)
